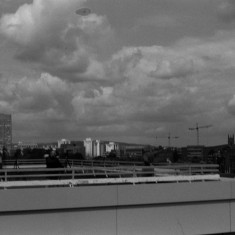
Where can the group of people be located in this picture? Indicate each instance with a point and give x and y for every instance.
(52, 159)
(4, 154)
(51, 156)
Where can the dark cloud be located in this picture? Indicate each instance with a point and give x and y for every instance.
(226, 11)
(138, 91)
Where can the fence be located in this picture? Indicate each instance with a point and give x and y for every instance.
(74, 162)
(105, 172)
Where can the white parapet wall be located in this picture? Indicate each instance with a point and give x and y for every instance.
(127, 180)
(203, 207)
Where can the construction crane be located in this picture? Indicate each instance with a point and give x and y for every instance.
(197, 130)
(169, 137)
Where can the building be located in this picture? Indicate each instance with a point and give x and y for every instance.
(229, 156)
(51, 145)
(63, 141)
(194, 153)
(73, 148)
(103, 151)
(96, 148)
(134, 151)
(111, 146)
(29, 145)
(6, 131)
(88, 144)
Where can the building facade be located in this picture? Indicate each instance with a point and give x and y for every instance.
(63, 141)
(6, 131)
(29, 145)
(88, 144)
(74, 148)
(95, 148)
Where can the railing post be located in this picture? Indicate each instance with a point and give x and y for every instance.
(5, 174)
(190, 170)
(134, 172)
(73, 173)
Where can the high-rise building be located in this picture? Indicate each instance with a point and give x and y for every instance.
(5, 131)
(88, 144)
(96, 148)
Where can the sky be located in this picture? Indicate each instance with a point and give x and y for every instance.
(130, 71)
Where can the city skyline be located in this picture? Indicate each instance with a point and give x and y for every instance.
(128, 71)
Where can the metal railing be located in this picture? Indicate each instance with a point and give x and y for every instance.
(83, 172)
(74, 162)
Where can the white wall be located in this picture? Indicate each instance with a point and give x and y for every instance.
(145, 209)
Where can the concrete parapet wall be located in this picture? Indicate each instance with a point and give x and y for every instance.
(168, 208)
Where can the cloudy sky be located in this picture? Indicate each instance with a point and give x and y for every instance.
(130, 71)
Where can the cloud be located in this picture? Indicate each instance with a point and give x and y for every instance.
(231, 105)
(135, 92)
(226, 10)
(187, 82)
(168, 85)
(159, 20)
(51, 35)
(151, 87)
(185, 58)
(36, 95)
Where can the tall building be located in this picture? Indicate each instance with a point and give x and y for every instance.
(96, 148)
(5, 131)
(88, 144)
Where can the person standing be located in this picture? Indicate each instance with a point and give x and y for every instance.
(18, 154)
(5, 153)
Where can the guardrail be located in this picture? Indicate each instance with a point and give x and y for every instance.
(74, 162)
(84, 172)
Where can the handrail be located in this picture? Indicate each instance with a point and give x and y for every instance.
(105, 172)
(73, 162)
(91, 162)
